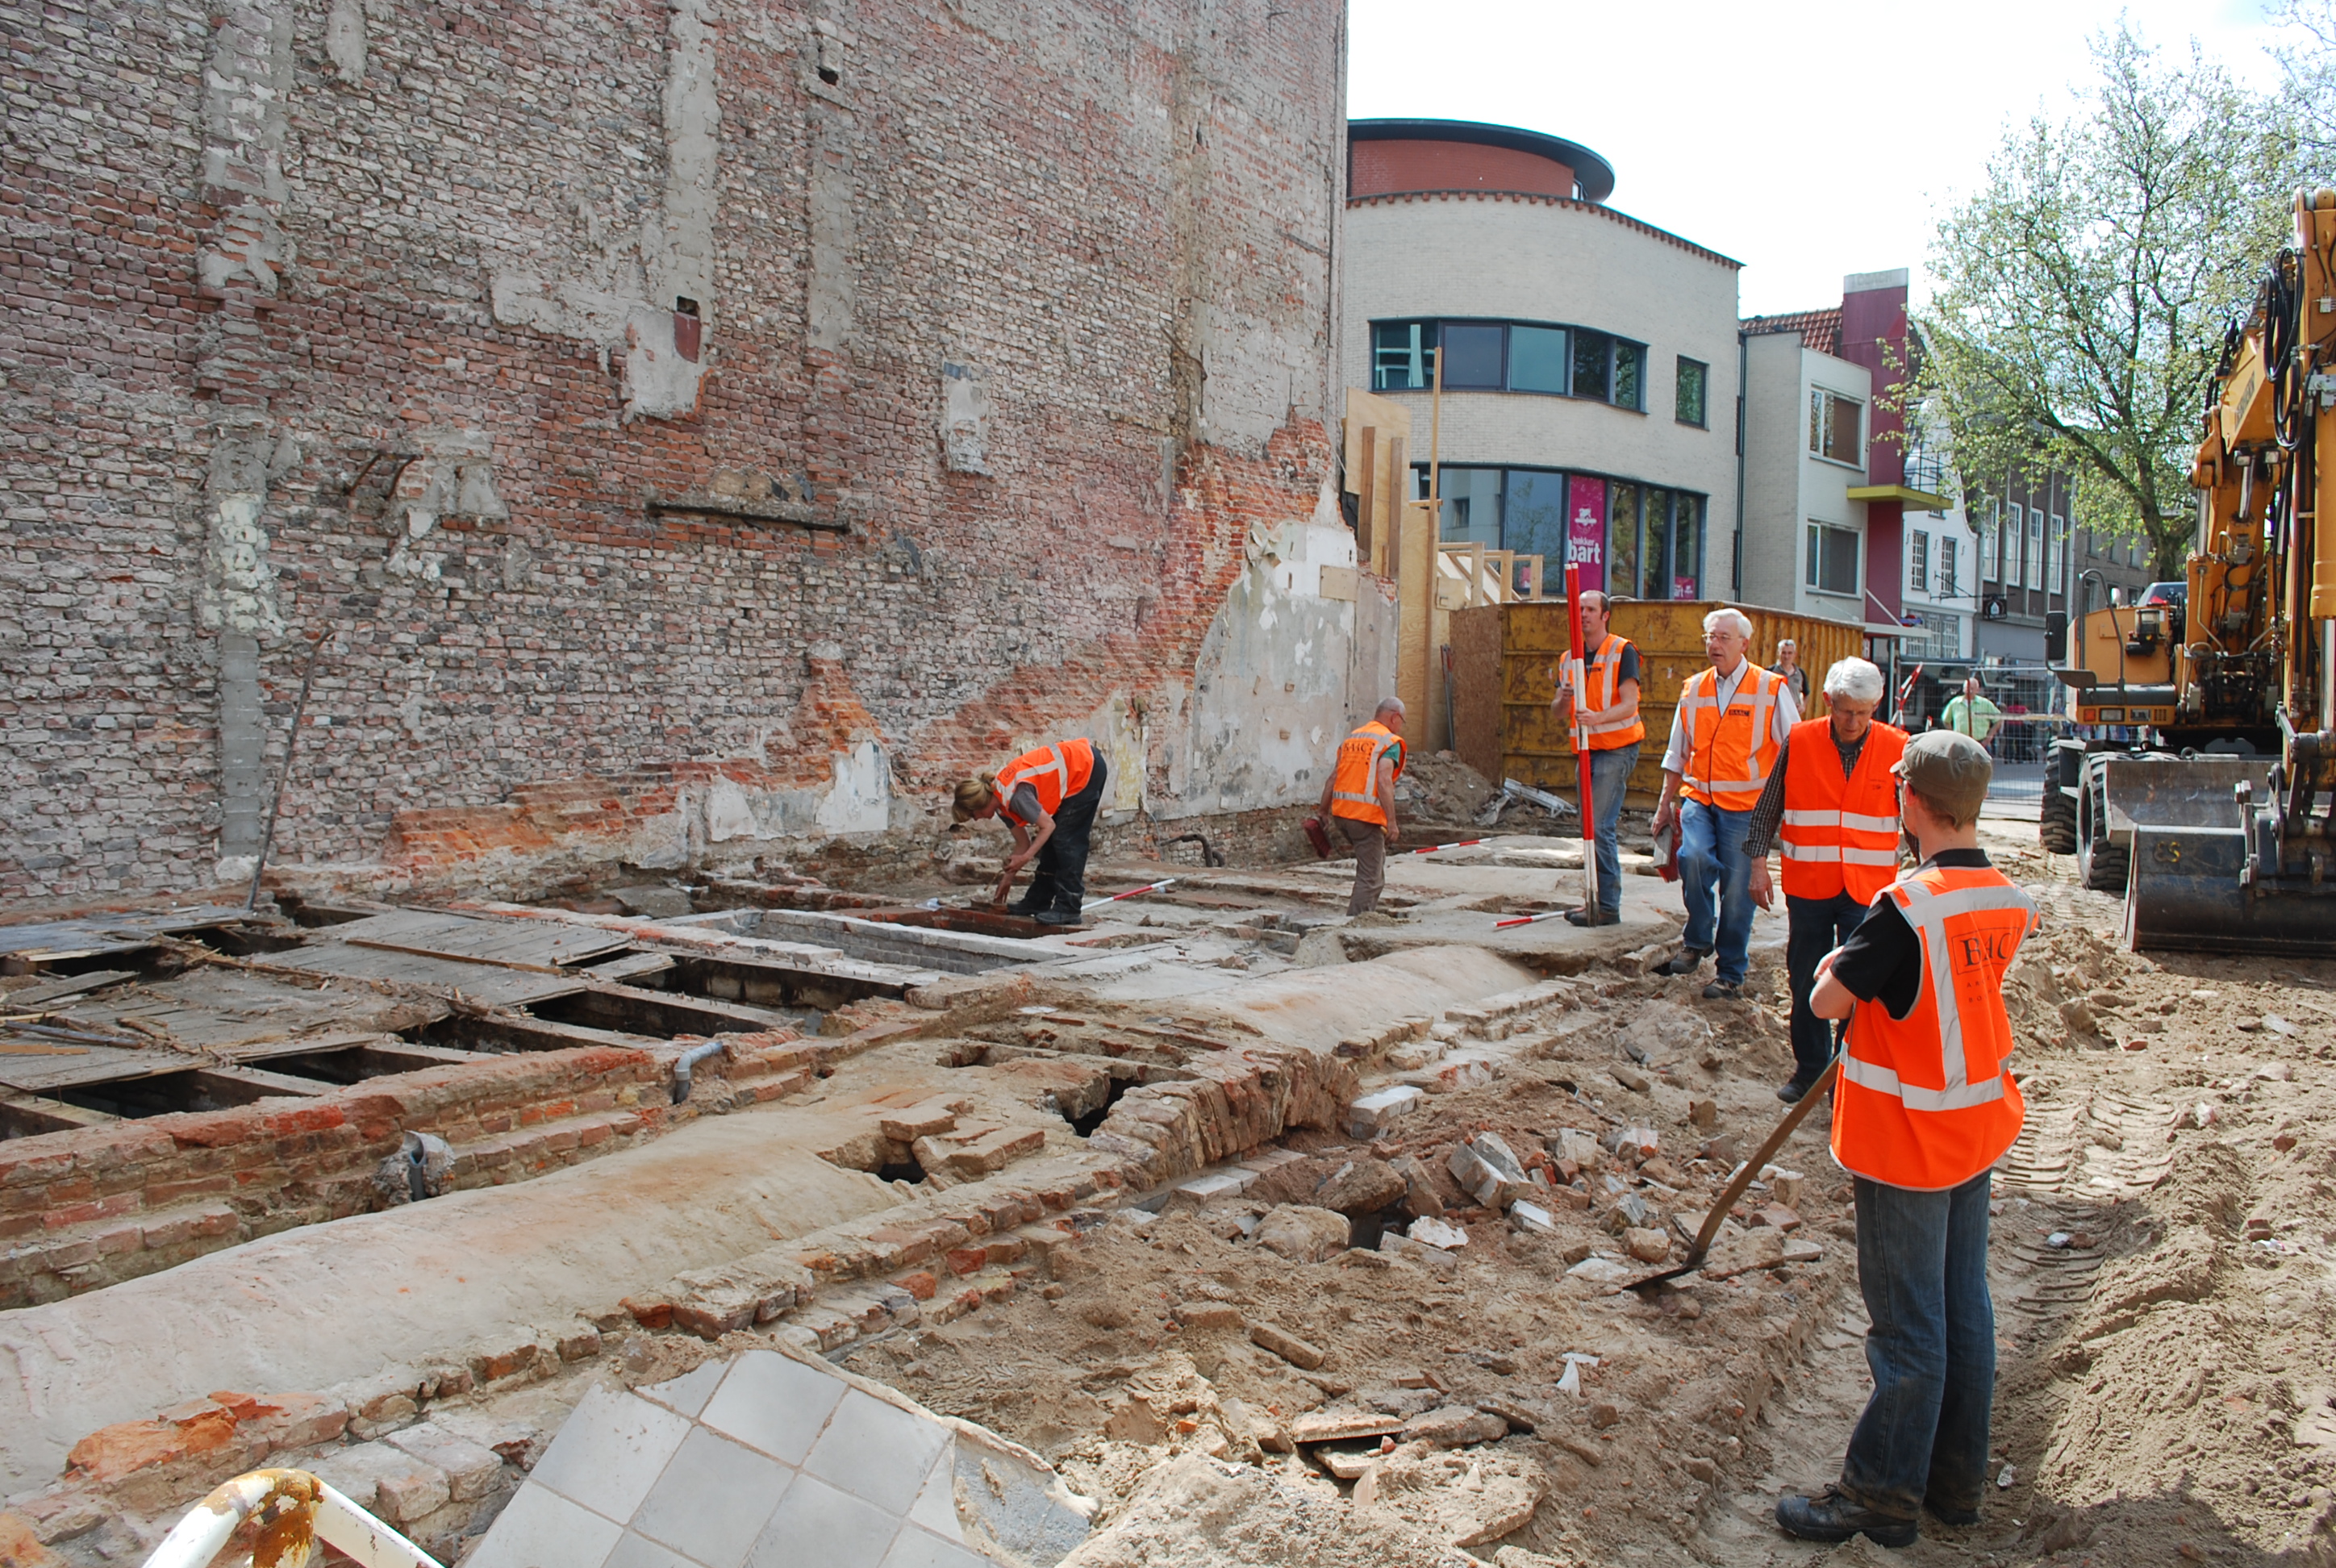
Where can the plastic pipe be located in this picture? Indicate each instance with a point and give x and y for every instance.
(687, 1060)
(295, 1510)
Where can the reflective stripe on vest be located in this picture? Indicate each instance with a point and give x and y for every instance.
(1599, 692)
(1926, 1101)
(1729, 755)
(1055, 771)
(1828, 848)
(1353, 783)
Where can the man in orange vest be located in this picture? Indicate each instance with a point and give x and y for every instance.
(1610, 719)
(1730, 724)
(1048, 798)
(1926, 1104)
(1359, 796)
(1837, 828)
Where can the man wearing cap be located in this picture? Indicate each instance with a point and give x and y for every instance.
(1837, 827)
(1925, 1105)
(1611, 729)
(1048, 798)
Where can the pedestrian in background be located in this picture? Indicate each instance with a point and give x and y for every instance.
(1971, 714)
(1611, 724)
(1730, 724)
(1788, 666)
(1839, 836)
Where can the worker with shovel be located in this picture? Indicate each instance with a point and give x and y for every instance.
(1048, 799)
(1925, 1106)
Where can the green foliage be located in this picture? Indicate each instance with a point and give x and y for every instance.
(2083, 294)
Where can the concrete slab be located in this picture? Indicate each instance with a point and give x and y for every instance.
(770, 1458)
(1317, 1008)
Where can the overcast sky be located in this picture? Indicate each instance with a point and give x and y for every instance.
(1806, 138)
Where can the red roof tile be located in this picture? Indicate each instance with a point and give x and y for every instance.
(1819, 329)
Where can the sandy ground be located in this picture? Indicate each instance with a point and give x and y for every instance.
(2161, 1264)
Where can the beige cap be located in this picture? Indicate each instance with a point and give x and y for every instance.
(1950, 770)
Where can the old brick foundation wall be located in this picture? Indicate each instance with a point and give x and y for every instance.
(686, 425)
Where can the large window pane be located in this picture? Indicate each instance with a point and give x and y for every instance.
(1593, 354)
(1537, 357)
(1624, 554)
(1629, 375)
(1694, 390)
(1401, 360)
(1686, 547)
(1472, 504)
(1533, 521)
(1831, 559)
(1471, 356)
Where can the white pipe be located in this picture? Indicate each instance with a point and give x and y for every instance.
(294, 1509)
(689, 1060)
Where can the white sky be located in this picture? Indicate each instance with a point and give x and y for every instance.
(1808, 139)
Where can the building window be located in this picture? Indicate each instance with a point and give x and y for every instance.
(1990, 562)
(2058, 559)
(1537, 359)
(1917, 564)
(1473, 356)
(1402, 360)
(1836, 427)
(1694, 392)
(1832, 560)
(1628, 538)
(2034, 552)
(1948, 550)
(1629, 375)
(2015, 547)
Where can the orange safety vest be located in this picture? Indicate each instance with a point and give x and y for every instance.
(1840, 834)
(1598, 688)
(1926, 1104)
(1729, 754)
(1055, 772)
(1352, 791)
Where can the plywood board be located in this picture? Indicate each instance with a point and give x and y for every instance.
(480, 982)
(544, 942)
(53, 941)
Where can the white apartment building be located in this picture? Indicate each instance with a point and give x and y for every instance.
(1590, 364)
(1807, 426)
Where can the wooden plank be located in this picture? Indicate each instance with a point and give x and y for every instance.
(58, 990)
(631, 967)
(531, 942)
(241, 1085)
(26, 1116)
(483, 982)
(54, 942)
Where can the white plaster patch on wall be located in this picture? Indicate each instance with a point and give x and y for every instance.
(728, 813)
(240, 592)
(966, 408)
(453, 477)
(249, 245)
(834, 291)
(861, 799)
(344, 40)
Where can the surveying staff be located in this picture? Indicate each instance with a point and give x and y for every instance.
(1925, 1106)
(1839, 838)
(1731, 721)
(1048, 799)
(1609, 718)
(1360, 798)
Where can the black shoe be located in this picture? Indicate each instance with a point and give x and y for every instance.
(1830, 1517)
(1724, 992)
(1961, 1518)
(1797, 1088)
(1580, 918)
(1024, 907)
(1687, 963)
(1059, 918)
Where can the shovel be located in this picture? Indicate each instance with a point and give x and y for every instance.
(1743, 1179)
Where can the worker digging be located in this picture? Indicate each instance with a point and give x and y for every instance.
(1048, 798)
(1359, 797)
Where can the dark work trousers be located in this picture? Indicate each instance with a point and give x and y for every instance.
(1922, 1265)
(1818, 927)
(1060, 883)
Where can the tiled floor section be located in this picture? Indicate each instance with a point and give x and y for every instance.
(765, 1460)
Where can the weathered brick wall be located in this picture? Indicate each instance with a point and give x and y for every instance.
(361, 320)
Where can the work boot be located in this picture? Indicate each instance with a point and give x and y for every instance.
(1059, 916)
(1831, 1517)
(1796, 1087)
(1580, 918)
(1961, 1518)
(1688, 961)
(1724, 992)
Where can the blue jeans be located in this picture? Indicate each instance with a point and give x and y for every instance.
(1922, 1266)
(1818, 926)
(1711, 860)
(1610, 776)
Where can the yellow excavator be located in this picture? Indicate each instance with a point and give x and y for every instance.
(2207, 791)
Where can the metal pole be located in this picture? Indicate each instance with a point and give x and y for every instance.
(276, 801)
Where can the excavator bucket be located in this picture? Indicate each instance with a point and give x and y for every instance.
(2190, 887)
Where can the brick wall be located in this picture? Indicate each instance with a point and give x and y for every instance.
(367, 322)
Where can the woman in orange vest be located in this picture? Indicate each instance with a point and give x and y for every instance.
(1731, 721)
(1359, 797)
(1048, 798)
(1613, 729)
(1837, 827)
(1925, 1105)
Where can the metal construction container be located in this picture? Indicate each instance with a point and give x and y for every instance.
(1504, 673)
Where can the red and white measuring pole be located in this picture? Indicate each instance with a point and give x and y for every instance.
(1582, 739)
(1130, 894)
(1455, 845)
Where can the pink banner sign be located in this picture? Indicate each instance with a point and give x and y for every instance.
(1585, 530)
(1682, 588)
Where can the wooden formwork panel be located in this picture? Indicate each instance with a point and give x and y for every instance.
(1533, 747)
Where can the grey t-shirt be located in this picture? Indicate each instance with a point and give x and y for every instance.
(1022, 805)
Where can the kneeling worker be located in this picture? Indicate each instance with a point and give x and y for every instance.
(1838, 829)
(1359, 796)
(1926, 1104)
(1048, 798)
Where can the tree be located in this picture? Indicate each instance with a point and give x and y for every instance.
(2082, 296)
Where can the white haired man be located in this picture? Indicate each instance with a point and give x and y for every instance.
(1837, 828)
(1726, 736)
